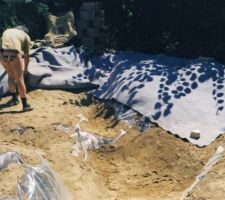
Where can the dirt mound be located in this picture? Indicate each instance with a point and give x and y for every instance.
(152, 165)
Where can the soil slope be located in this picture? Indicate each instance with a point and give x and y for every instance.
(149, 166)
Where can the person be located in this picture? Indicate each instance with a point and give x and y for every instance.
(14, 42)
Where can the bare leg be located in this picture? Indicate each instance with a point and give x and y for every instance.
(11, 77)
(17, 67)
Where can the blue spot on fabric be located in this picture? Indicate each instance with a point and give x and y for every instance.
(166, 99)
(220, 108)
(188, 73)
(193, 77)
(174, 92)
(149, 79)
(182, 94)
(140, 86)
(185, 84)
(220, 81)
(187, 90)
(220, 87)
(194, 85)
(220, 101)
(170, 105)
(158, 105)
(202, 78)
(180, 88)
(219, 94)
(166, 89)
(86, 72)
(166, 112)
(157, 115)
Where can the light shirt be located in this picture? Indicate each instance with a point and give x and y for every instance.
(15, 39)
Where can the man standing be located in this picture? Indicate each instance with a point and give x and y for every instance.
(14, 42)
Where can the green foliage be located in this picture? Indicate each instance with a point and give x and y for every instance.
(7, 18)
(187, 28)
(31, 14)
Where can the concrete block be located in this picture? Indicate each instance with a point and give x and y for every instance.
(195, 135)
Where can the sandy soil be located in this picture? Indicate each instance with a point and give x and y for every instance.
(150, 166)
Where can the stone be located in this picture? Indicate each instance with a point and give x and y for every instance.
(61, 29)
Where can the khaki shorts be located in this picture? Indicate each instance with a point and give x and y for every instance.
(8, 55)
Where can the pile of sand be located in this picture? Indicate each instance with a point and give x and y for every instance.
(153, 165)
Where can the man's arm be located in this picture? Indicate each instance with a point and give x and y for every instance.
(26, 53)
(26, 62)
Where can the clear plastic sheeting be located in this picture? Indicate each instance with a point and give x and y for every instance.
(40, 182)
(131, 117)
(9, 157)
(212, 161)
(85, 141)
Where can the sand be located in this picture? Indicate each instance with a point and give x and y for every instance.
(148, 166)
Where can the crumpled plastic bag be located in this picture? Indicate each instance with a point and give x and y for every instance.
(40, 183)
(211, 162)
(85, 141)
(9, 157)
